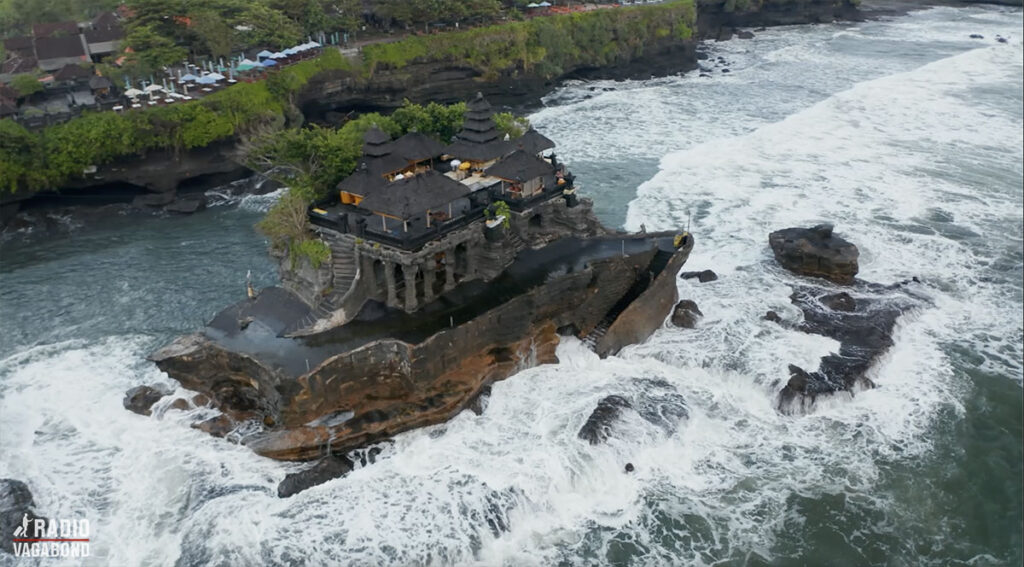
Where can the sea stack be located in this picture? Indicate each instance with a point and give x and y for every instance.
(451, 267)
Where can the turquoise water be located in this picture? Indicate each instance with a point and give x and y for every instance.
(903, 132)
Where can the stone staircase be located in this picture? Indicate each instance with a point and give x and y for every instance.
(344, 270)
(658, 263)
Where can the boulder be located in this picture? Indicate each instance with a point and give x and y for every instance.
(745, 35)
(977, 36)
(815, 252)
(218, 426)
(15, 507)
(599, 425)
(180, 404)
(773, 317)
(686, 314)
(140, 399)
(702, 276)
(187, 205)
(327, 468)
(840, 302)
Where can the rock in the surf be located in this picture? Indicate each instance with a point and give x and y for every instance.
(598, 426)
(327, 468)
(140, 399)
(686, 314)
(815, 252)
(16, 505)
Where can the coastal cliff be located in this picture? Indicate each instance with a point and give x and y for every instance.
(159, 176)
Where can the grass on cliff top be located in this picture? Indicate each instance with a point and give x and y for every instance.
(546, 47)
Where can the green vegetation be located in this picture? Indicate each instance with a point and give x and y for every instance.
(544, 46)
(311, 161)
(50, 157)
(26, 84)
(500, 209)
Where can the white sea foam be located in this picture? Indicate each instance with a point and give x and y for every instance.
(890, 152)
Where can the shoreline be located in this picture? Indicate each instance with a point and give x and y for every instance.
(141, 186)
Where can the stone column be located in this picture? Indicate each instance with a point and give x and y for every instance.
(449, 270)
(470, 262)
(389, 277)
(410, 286)
(428, 280)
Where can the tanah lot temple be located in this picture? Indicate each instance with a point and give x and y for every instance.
(417, 218)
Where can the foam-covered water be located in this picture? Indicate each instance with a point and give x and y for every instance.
(905, 133)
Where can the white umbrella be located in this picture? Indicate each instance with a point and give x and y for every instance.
(543, 4)
(278, 55)
(264, 53)
(152, 88)
(216, 76)
(132, 93)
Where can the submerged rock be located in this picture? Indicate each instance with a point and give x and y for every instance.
(140, 399)
(745, 35)
(841, 301)
(598, 426)
(815, 252)
(686, 314)
(772, 316)
(327, 468)
(187, 205)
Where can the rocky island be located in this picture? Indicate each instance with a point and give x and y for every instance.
(450, 267)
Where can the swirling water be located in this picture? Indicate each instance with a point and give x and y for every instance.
(904, 132)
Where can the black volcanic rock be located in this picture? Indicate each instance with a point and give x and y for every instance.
(686, 314)
(772, 316)
(863, 328)
(745, 35)
(599, 424)
(330, 467)
(140, 399)
(704, 276)
(815, 252)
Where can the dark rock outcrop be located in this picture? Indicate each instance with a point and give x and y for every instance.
(364, 381)
(863, 327)
(703, 276)
(815, 252)
(16, 505)
(140, 399)
(218, 426)
(327, 468)
(599, 425)
(686, 314)
(772, 316)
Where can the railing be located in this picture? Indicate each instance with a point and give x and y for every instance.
(408, 241)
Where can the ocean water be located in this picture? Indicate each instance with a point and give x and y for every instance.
(904, 132)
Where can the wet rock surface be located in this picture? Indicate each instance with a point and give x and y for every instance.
(658, 404)
(686, 314)
(16, 505)
(598, 426)
(815, 252)
(140, 399)
(325, 469)
(704, 276)
(863, 325)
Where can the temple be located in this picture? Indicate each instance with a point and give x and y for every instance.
(417, 218)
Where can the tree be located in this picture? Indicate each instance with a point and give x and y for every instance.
(268, 27)
(149, 50)
(26, 84)
(213, 32)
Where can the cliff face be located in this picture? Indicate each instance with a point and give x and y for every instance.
(358, 389)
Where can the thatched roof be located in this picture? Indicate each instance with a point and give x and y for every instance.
(520, 165)
(417, 147)
(534, 142)
(414, 195)
(362, 182)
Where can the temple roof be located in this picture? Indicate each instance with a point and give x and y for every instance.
(466, 150)
(414, 195)
(534, 142)
(415, 146)
(362, 181)
(376, 142)
(70, 72)
(520, 165)
(99, 82)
